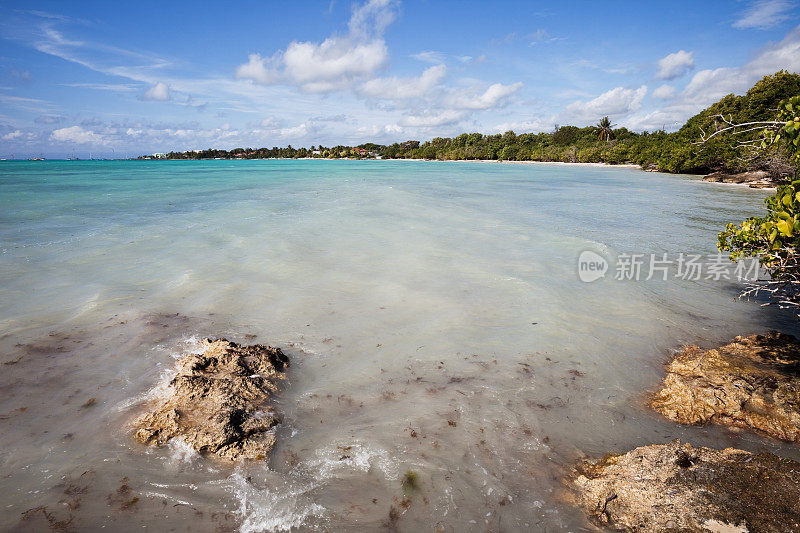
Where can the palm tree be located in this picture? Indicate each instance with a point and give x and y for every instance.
(604, 129)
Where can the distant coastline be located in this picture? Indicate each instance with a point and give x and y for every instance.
(559, 163)
(686, 151)
(745, 179)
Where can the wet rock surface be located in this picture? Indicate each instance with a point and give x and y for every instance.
(218, 401)
(751, 383)
(678, 487)
(757, 179)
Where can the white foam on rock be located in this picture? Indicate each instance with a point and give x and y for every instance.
(180, 453)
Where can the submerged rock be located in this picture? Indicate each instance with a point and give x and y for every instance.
(218, 401)
(752, 383)
(678, 487)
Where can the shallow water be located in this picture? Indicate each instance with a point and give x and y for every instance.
(432, 313)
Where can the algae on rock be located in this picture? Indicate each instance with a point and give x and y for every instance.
(751, 383)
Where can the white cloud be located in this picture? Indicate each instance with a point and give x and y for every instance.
(77, 135)
(536, 124)
(675, 65)
(665, 92)
(392, 129)
(494, 96)
(158, 92)
(428, 120)
(256, 69)
(112, 87)
(668, 118)
(16, 134)
(711, 85)
(350, 61)
(334, 64)
(404, 88)
(707, 86)
(270, 122)
(783, 55)
(36, 105)
(616, 102)
(48, 119)
(430, 56)
(300, 131)
(372, 18)
(543, 36)
(506, 39)
(436, 58)
(764, 14)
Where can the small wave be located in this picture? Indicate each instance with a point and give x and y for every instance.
(285, 501)
(181, 453)
(335, 461)
(160, 390)
(270, 508)
(193, 344)
(164, 496)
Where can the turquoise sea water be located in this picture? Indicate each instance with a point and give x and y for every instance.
(432, 312)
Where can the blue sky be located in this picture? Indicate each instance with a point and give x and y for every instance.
(126, 78)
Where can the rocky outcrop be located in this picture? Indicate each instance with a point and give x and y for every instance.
(751, 383)
(218, 401)
(757, 179)
(678, 487)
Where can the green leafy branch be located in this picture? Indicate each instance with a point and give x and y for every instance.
(775, 237)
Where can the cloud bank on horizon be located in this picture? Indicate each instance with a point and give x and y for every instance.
(114, 81)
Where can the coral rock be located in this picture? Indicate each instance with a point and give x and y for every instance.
(218, 401)
(752, 383)
(677, 487)
(757, 179)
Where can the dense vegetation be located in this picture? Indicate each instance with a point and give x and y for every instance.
(679, 151)
(775, 237)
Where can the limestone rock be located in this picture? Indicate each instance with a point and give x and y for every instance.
(678, 487)
(218, 401)
(751, 383)
(757, 179)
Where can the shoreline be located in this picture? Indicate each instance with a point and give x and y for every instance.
(561, 163)
(496, 161)
(744, 185)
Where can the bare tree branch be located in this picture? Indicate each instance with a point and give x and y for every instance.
(783, 285)
(758, 125)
